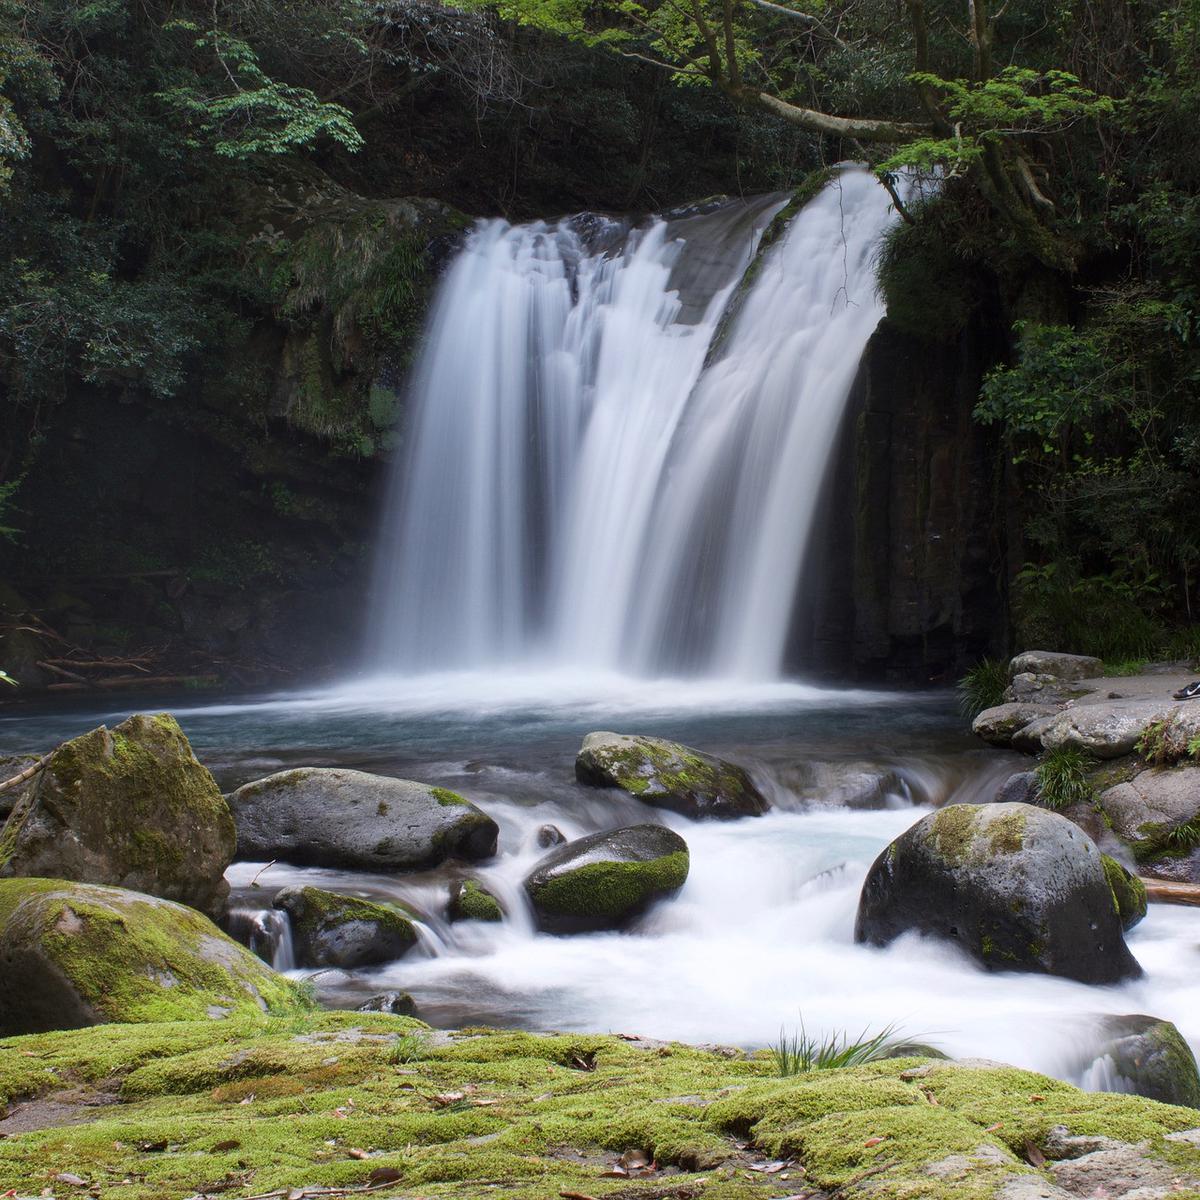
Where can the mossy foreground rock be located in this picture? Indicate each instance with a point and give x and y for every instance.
(1150, 1058)
(130, 807)
(1019, 888)
(330, 817)
(471, 901)
(336, 1099)
(329, 930)
(668, 775)
(605, 880)
(73, 954)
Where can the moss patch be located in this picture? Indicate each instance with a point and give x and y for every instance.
(473, 902)
(256, 1106)
(613, 889)
(1128, 892)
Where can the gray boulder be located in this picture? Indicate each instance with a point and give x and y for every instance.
(129, 807)
(1021, 788)
(330, 930)
(1018, 887)
(330, 817)
(996, 726)
(1111, 728)
(668, 775)
(1157, 813)
(1067, 667)
(1148, 1057)
(73, 954)
(605, 880)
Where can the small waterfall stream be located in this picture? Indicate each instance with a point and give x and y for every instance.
(579, 487)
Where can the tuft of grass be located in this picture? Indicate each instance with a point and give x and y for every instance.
(1125, 666)
(1164, 743)
(1185, 836)
(408, 1048)
(799, 1053)
(1062, 778)
(982, 686)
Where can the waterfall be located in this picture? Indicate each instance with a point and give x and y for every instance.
(611, 463)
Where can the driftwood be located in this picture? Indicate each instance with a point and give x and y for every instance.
(1167, 891)
(29, 772)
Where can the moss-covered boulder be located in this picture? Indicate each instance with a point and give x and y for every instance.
(74, 954)
(471, 901)
(130, 807)
(1019, 888)
(1148, 1057)
(331, 817)
(1129, 892)
(330, 930)
(605, 880)
(668, 775)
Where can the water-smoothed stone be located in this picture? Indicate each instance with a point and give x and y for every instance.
(129, 807)
(1020, 788)
(1129, 892)
(668, 775)
(1112, 728)
(331, 930)
(605, 880)
(1039, 689)
(1148, 1056)
(550, 835)
(1157, 813)
(75, 954)
(471, 901)
(331, 817)
(998, 725)
(397, 1004)
(1019, 888)
(1067, 667)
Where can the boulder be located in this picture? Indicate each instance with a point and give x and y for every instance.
(330, 817)
(1129, 892)
(74, 954)
(605, 880)
(550, 835)
(1067, 667)
(1021, 788)
(397, 1004)
(331, 930)
(129, 807)
(1157, 812)
(1038, 689)
(471, 901)
(668, 775)
(1148, 1057)
(998, 725)
(1111, 728)
(1018, 887)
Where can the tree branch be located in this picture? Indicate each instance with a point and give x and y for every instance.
(867, 129)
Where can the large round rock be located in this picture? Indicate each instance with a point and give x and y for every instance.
(1148, 1056)
(605, 880)
(1019, 888)
(330, 817)
(668, 775)
(130, 807)
(331, 930)
(72, 955)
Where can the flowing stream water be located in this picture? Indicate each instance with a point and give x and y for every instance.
(618, 440)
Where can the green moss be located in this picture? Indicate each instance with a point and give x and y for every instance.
(954, 831)
(1006, 834)
(1128, 892)
(473, 902)
(612, 889)
(314, 910)
(270, 1105)
(449, 799)
(135, 959)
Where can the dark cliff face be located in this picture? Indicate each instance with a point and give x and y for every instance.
(908, 568)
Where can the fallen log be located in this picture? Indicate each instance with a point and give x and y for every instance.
(128, 681)
(1168, 891)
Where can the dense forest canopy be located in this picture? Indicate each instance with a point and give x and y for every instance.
(177, 176)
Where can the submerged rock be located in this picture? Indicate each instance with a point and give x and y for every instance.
(1067, 667)
(605, 880)
(550, 835)
(74, 954)
(1019, 888)
(397, 1004)
(330, 930)
(471, 901)
(668, 775)
(1148, 1057)
(130, 807)
(1129, 892)
(331, 817)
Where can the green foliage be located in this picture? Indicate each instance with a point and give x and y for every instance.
(799, 1053)
(982, 687)
(1165, 743)
(1063, 778)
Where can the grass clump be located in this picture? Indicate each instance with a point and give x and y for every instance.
(1063, 778)
(982, 687)
(799, 1053)
(1125, 666)
(1165, 743)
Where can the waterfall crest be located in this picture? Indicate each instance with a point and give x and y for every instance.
(578, 487)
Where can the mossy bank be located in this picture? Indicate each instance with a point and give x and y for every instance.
(337, 1099)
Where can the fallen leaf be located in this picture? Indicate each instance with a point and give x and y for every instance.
(993, 1128)
(152, 1147)
(1036, 1099)
(1034, 1156)
(355, 1152)
(634, 1160)
(230, 1144)
(442, 1099)
(874, 1141)
(385, 1175)
(71, 1180)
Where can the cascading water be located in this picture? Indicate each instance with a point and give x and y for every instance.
(580, 488)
